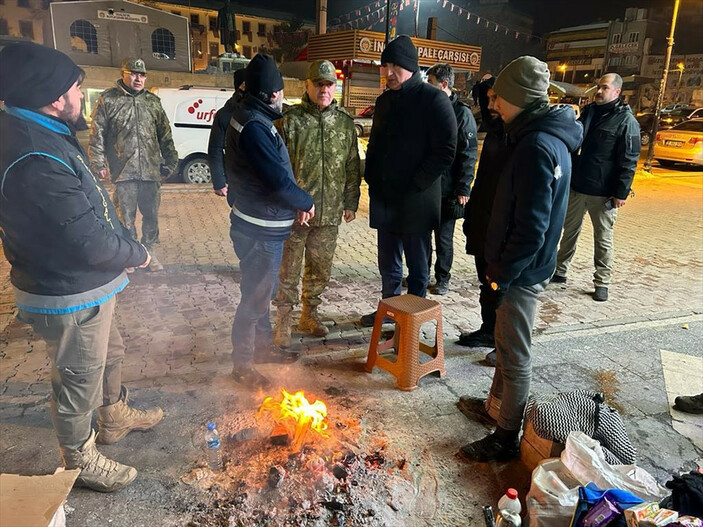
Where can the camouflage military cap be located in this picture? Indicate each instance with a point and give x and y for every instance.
(322, 70)
(133, 64)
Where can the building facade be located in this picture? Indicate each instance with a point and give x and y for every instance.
(577, 55)
(24, 19)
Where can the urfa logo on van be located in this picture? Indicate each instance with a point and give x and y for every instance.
(199, 114)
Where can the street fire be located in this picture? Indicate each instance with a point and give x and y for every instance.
(296, 409)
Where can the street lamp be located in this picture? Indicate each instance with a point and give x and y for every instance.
(680, 67)
(562, 68)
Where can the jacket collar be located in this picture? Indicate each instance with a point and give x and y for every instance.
(258, 105)
(46, 121)
(312, 108)
(127, 90)
(412, 82)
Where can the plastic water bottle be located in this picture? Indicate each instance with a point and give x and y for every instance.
(510, 502)
(214, 452)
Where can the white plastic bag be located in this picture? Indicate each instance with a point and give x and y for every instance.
(552, 496)
(584, 458)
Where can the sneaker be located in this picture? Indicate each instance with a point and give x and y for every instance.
(490, 448)
(600, 294)
(368, 321)
(274, 354)
(475, 409)
(491, 359)
(692, 404)
(557, 279)
(476, 339)
(442, 288)
(248, 376)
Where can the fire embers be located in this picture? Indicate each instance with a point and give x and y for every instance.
(296, 410)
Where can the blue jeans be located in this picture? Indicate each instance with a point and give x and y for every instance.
(391, 247)
(259, 262)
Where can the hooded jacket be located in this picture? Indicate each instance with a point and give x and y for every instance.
(532, 194)
(216, 143)
(59, 230)
(324, 154)
(131, 136)
(457, 180)
(412, 143)
(606, 162)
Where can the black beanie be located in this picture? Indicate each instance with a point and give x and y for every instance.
(33, 76)
(402, 52)
(262, 76)
(239, 78)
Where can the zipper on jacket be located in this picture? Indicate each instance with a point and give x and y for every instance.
(139, 137)
(106, 213)
(322, 138)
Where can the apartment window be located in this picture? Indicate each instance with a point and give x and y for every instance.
(212, 23)
(262, 30)
(194, 20)
(163, 44)
(246, 27)
(27, 29)
(214, 49)
(633, 37)
(615, 61)
(631, 60)
(247, 51)
(84, 37)
(616, 38)
(23, 3)
(3, 27)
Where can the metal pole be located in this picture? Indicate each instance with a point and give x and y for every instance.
(417, 18)
(321, 17)
(388, 21)
(662, 87)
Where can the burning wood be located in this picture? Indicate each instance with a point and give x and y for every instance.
(296, 409)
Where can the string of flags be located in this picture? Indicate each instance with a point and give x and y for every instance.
(367, 16)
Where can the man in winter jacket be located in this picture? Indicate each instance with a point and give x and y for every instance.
(520, 250)
(412, 143)
(68, 253)
(265, 203)
(131, 137)
(456, 182)
(323, 150)
(216, 144)
(603, 171)
(494, 155)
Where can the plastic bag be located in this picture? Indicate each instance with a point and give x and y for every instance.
(584, 458)
(552, 496)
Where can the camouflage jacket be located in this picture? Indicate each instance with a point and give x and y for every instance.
(324, 154)
(131, 136)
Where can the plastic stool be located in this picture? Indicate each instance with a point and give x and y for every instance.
(409, 313)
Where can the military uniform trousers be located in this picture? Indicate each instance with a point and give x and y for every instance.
(316, 245)
(86, 352)
(145, 195)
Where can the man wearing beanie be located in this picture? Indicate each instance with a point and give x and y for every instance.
(265, 203)
(131, 136)
(412, 143)
(216, 144)
(68, 253)
(604, 168)
(324, 152)
(520, 249)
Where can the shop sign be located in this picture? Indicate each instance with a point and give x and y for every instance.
(121, 16)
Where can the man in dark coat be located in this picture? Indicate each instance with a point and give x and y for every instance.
(456, 182)
(413, 139)
(216, 144)
(604, 168)
(520, 250)
(477, 214)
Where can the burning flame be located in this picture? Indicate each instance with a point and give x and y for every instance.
(296, 408)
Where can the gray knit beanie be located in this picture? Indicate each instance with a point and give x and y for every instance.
(523, 81)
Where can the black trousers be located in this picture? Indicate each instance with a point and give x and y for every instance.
(391, 248)
(488, 299)
(444, 250)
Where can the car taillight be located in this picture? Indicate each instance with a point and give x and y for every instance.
(659, 137)
(695, 140)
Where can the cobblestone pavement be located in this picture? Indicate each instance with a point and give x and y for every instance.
(176, 323)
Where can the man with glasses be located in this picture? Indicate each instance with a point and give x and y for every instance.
(130, 139)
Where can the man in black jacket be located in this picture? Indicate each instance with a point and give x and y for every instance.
(412, 143)
(603, 171)
(265, 202)
(521, 241)
(69, 254)
(216, 144)
(456, 182)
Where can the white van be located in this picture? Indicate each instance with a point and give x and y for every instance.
(191, 110)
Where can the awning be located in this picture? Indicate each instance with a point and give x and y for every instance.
(566, 89)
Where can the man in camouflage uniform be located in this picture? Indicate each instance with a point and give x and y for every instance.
(131, 137)
(323, 149)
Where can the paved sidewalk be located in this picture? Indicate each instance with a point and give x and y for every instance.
(176, 325)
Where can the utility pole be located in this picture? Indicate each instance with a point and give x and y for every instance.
(417, 18)
(321, 17)
(662, 87)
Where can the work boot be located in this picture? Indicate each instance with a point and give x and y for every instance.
(441, 288)
(97, 472)
(477, 339)
(283, 326)
(557, 279)
(690, 404)
(494, 447)
(117, 420)
(274, 354)
(600, 294)
(310, 323)
(246, 374)
(154, 264)
(475, 409)
(368, 321)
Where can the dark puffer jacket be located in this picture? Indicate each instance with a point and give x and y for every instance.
(413, 140)
(533, 190)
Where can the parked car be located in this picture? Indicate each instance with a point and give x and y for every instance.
(363, 121)
(681, 144)
(670, 108)
(696, 114)
(675, 116)
(645, 121)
